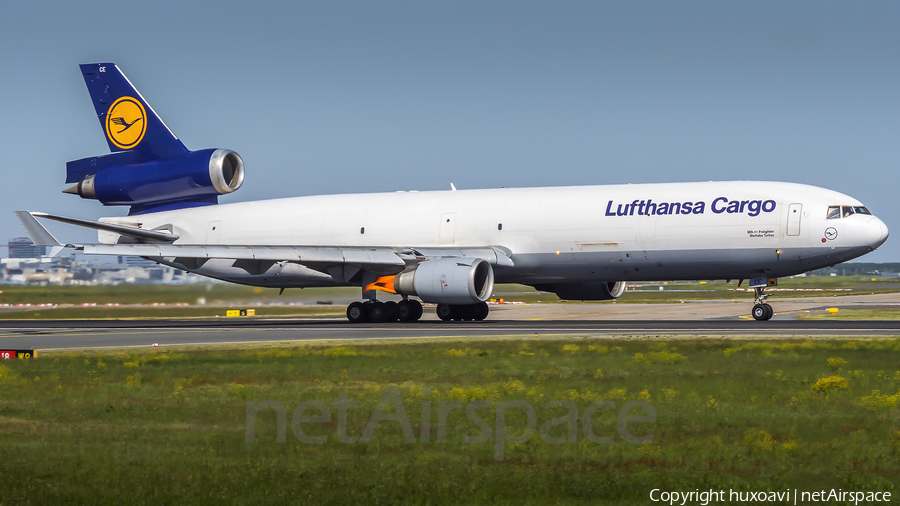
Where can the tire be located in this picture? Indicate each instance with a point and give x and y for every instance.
(405, 311)
(465, 312)
(418, 310)
(759, 312)
(356, 312)
(392, 310)
(481, 311)
(446, 312)
(762, 313)
(409, 310)
(377, 313)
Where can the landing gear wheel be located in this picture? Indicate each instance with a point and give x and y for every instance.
(446, 312)
(417, 306)
(481, 311)
(377, 312)
(409, 310)
(404, 311)
(391, 308)
(465, 312)
(356, 312)
(762, 312)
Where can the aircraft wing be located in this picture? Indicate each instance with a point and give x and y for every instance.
(378, 259)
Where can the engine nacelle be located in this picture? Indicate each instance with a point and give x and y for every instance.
(196, 176)
(585, 290)
(448, 281)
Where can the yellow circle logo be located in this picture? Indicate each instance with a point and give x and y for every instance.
(126, 122)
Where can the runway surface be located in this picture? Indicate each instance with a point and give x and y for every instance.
(93, 335)
(696, 319)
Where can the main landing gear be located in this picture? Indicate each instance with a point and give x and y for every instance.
(463, 312)
(411, 310)
(761, 310)
(380, 312)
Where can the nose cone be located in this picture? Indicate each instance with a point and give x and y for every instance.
(878, 233)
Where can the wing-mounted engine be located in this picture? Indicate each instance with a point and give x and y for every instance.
(585, 290)
(448, 281)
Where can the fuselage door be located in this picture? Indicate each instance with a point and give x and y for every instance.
(794, 214)
(448, 229)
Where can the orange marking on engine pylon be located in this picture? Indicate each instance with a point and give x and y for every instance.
(383, 283)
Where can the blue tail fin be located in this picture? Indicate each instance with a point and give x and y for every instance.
(128, 121)
(149, 169)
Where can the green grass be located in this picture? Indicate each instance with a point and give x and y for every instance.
(138, 312)
(167, 426)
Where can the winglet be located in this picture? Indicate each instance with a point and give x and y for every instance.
(38, 234)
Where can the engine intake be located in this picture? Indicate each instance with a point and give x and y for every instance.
(604, 290)
(448, 281)
(226, 170)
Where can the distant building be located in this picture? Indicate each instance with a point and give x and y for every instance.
(22, 247)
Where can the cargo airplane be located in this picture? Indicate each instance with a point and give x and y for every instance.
(442, 247)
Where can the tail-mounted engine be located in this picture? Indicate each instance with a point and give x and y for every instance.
(195, 177)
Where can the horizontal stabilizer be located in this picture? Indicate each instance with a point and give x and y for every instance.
(137, 233)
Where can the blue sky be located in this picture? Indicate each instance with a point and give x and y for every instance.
(336, 97)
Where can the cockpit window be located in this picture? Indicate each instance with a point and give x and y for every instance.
(836, 212)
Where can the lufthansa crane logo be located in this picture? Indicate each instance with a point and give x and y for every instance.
(126, 122)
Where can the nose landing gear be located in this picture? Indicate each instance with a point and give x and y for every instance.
(761, 310)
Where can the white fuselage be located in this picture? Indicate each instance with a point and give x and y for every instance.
(714, 230)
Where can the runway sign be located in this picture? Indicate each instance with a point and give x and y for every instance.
(240, 312)
(8, 354)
